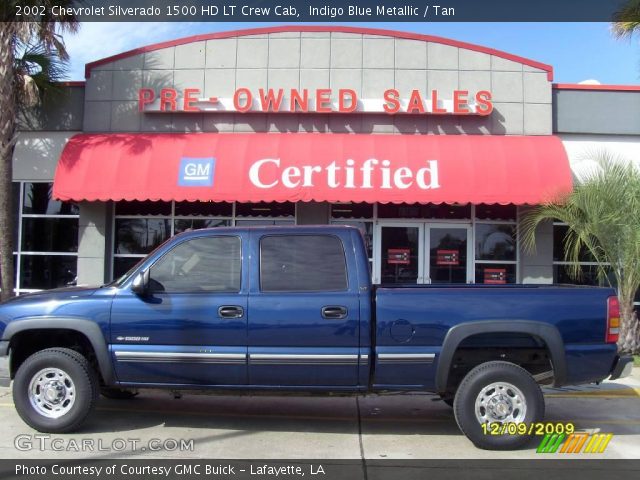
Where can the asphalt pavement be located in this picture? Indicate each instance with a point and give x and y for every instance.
(155, 425)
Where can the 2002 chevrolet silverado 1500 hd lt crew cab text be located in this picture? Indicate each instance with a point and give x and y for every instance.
(292, 309)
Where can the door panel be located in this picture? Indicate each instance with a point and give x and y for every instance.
(291, 343)
(185, 337)
(178, 338)
(300, 335)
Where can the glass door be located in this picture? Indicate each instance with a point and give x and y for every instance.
(400, 253)
(449, 248)
(417, 252)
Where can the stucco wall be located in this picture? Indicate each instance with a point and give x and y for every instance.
(582, 149)
(36, 154)
(537, 266)
(94, 227)
(61, 109)
(596, 111)
(369, 64)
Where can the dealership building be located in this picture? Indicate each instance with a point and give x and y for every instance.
(434, 148)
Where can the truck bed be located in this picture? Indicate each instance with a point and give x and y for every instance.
(422, 317)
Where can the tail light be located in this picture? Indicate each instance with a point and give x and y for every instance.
(613, 320)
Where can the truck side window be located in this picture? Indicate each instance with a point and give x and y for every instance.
(205, 264)
(302, 263)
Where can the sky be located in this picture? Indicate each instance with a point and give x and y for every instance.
(577, 51)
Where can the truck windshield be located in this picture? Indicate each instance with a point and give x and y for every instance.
(120, 280)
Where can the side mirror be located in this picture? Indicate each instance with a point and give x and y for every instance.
(140, 285)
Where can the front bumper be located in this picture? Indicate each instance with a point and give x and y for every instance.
(5, 377)
(622, 367)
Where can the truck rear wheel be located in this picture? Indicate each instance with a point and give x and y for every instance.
(497, 393)
(54, 390)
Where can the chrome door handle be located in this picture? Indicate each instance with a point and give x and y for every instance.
(230, 311)
(334, 312)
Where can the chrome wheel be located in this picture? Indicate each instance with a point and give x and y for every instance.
(52, 392)
(500, 393)
(500, 402)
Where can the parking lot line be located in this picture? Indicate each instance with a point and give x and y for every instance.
(627, 393)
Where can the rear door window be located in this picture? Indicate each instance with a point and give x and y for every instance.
(302, 263)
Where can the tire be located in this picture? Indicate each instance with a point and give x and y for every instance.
(516, 394)
(117, 393)
(60, 372)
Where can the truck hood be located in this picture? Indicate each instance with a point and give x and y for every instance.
(48, 303)
(54, 294)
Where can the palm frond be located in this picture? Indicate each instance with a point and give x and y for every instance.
(626, 21)
(602, 216)
(45, 30)
(37, 68)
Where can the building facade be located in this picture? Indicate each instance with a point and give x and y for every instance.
(499, 134)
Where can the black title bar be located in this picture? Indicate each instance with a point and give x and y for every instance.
(320, 469)
(288, 11)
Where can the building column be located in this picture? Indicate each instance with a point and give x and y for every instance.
(92, 239)
(537, 267)
(312, 213)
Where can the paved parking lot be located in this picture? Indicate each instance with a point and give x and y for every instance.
(374, 427)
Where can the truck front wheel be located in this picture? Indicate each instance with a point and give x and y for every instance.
(54, 390)
(492, 400)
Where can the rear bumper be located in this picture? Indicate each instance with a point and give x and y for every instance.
(622, 367)
(5, 377)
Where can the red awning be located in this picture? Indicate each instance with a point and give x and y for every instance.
(320, 167)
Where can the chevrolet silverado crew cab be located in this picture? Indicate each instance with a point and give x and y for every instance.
(292, 309)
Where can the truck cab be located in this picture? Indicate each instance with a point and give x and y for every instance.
(285, 308)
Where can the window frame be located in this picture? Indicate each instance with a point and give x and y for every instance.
(18, 251)
(200, 292)
(563, 263)
(472, 222)
(172, 217)
(497, 263)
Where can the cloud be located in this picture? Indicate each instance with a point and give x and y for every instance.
(96, 40)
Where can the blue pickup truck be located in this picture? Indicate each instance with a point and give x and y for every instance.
(292, 310)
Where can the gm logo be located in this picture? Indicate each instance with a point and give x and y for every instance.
(196, 172)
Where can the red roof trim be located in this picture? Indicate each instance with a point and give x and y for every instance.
(322, 28)
(611, 88)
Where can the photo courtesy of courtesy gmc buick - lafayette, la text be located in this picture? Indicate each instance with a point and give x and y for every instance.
(292, 310)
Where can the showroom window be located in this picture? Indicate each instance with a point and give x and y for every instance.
(443, 211)
(561, 268)
(359, 215)
(496, 244)
(46, 242)
(141, 226)
(495, 231)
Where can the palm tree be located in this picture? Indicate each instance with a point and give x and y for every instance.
(627, 20)
(602, 216)
(32, 56)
